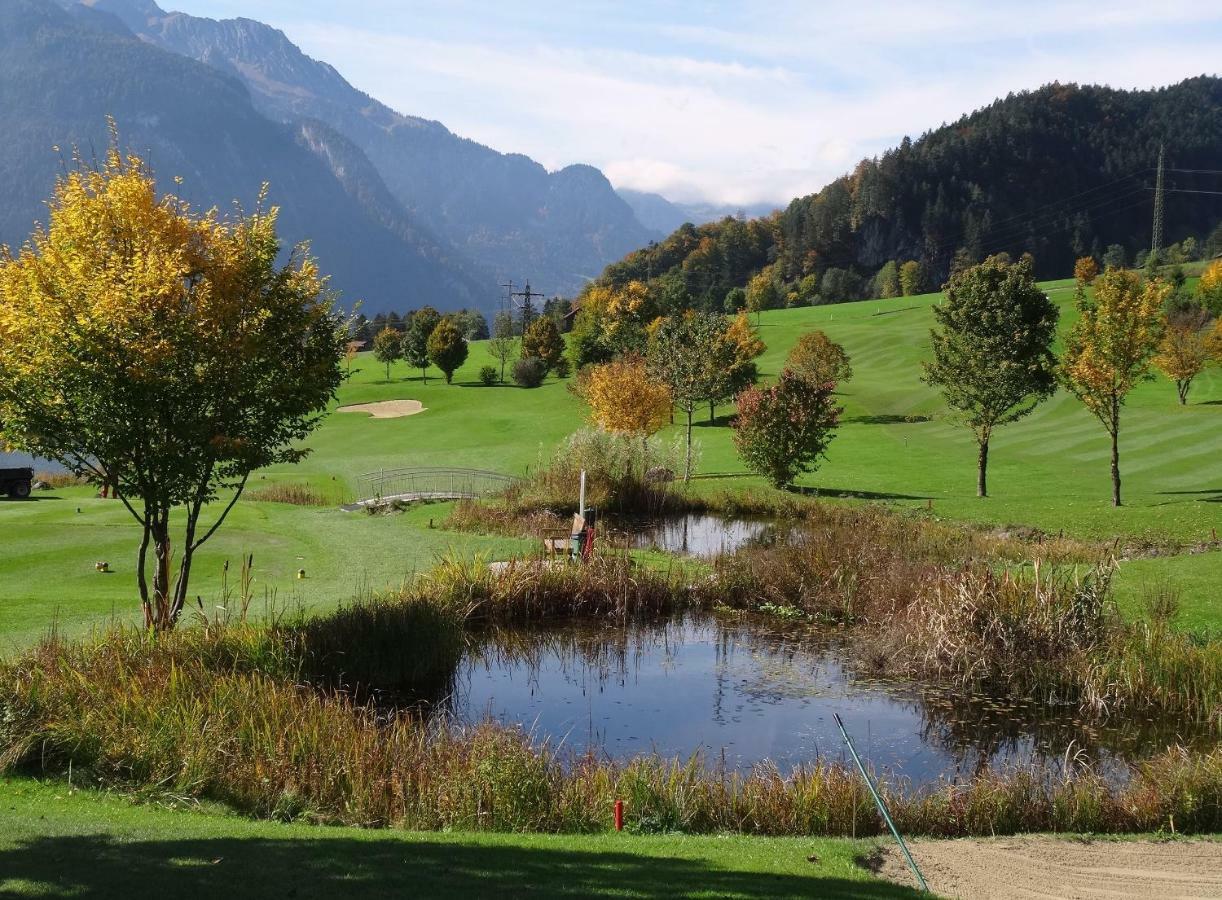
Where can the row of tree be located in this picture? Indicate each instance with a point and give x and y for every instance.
(993, 357)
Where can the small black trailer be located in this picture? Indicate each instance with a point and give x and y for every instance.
(16, 482)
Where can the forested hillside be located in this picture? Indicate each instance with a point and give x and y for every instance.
(1059, 173)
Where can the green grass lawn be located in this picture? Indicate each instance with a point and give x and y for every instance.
(896, 446)
(56, 842)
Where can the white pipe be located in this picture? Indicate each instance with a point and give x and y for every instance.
(581, 501)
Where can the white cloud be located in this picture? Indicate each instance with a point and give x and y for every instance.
(753, 106)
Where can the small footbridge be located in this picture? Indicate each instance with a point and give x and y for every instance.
(425, 483)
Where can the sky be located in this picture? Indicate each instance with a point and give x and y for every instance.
(727, 102)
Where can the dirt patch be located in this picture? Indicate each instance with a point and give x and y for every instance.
(386, 409)
(1039, 866)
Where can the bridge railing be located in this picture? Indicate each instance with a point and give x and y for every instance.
(426, 482)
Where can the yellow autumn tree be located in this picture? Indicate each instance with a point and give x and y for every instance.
(1185, 351)
(1109, 348)
(623, 398)
(163, 352)
(1209, 288)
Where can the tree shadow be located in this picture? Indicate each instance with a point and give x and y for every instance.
(887, 419)
(5, 498)
(95, 866)
(717, 422)
(1215, 495)
(853, 494)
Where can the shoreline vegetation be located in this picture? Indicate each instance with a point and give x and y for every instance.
(281, 719)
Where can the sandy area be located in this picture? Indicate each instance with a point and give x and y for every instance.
(386, 409)
(1039, 867)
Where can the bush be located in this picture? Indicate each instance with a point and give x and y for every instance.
(488, 376)
(562, 367)
(529, 372)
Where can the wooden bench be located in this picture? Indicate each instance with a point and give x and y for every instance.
(556, 543)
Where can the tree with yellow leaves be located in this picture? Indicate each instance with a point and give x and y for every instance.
(623, 398)
(1184, 351)
(1209, 288)
(1109, 348)
(164, 352)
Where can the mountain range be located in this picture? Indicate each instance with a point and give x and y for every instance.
(400, 210)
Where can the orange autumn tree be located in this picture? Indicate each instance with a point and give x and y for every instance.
(1185, 349)
(1109, 348)
(623, 398)
(1086, 270)
(164, 352)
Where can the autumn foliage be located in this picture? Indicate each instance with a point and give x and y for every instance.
(819, 359)
(1109, 348)
(162, 351)
(623, 398)
(781, 431)
(1086, 270)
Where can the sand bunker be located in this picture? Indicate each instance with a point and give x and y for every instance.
(1037, 866)
(386, 409)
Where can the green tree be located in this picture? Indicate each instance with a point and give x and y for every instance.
(1115, 257)
(887, 281)
(416, 339)
(1109, 348)
(387, 348)
(693, 356)
(762, 293)
(736, 300)
(447, 347)
(503, 345)
(781, 431)
(992, 358)
(543, 341)
(164, 352)
(819, 359)
(912, 278)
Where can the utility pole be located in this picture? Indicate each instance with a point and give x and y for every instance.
(1156, 240)
(528, 309)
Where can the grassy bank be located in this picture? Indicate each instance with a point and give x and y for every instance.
(55, 841)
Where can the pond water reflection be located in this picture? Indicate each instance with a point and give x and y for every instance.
(703, 535)
(743, 692)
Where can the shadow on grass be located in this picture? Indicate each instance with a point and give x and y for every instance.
(1214, 495)
(234, 868)
(886, 419)
(851, 494)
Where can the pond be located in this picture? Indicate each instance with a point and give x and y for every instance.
(702, 535)
(740, 692)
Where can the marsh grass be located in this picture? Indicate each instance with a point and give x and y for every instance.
(289, 492)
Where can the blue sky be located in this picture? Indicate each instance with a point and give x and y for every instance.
(729, 102)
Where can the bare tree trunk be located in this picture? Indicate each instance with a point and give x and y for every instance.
(1115, 429)
(687, 468)
(1181, 388)
(982, 469)
(712, 412)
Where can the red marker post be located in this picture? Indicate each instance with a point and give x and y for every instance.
(619, 815)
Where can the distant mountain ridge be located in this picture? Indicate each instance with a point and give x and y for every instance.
(504, 211)
(64, 70)
(663, 216)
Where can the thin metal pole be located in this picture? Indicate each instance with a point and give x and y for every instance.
(882, 807)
